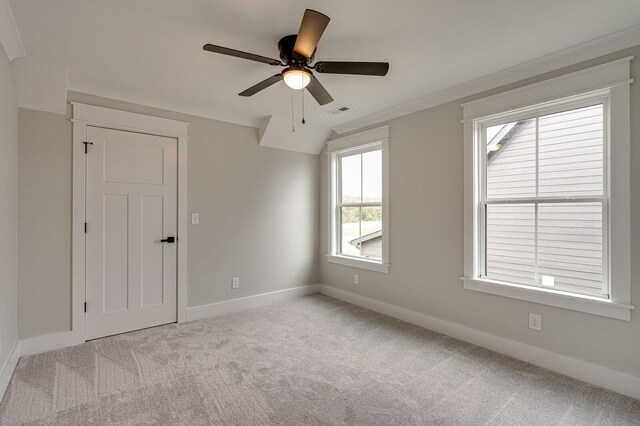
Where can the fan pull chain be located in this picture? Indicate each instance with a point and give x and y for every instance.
(293, 122)
(303, 106)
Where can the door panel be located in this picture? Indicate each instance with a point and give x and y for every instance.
(131, 205)
(129, 163)
(151, 253)
(115, 261)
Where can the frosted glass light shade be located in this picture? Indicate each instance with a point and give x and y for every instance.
(296, 78)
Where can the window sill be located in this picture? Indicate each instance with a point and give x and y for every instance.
(560, 299)
(359, 263)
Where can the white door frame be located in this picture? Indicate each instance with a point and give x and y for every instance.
(88, 115)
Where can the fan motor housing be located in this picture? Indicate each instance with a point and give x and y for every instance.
(285, 46)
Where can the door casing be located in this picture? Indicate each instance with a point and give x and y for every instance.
(89, 115)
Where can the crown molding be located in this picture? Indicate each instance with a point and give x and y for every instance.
(9, 33)
(608, 44)
(140, 98)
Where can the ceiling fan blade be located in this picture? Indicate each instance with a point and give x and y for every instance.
(240, 54)
(261, 86)
(318, 92)
(311, 29)
(359, 68)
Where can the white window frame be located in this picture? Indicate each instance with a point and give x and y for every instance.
(608, 81)
(358, 143)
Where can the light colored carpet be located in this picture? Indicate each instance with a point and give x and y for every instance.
(312, 360)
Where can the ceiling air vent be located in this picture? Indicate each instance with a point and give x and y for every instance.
(340, 110)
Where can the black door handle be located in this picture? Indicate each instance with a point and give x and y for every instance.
(169, 240)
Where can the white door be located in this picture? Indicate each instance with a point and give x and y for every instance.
(131, 197)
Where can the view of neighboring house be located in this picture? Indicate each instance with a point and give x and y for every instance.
(370, 245)
(565, 250)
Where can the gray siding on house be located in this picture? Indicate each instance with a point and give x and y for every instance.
(570, 240)
(512, 173)
(372, 248)
(510, 243)
(571, 153)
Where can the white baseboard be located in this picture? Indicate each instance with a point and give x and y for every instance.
(607, 378)
(250, 302)
(48, 342)
(8, 368)
(51, 342)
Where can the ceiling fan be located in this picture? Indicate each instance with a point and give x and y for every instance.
(297, 52)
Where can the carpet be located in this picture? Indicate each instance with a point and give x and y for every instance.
(311, 360)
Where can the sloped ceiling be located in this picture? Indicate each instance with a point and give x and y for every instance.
(154, 48)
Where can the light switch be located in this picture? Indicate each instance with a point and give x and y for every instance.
(195, 218)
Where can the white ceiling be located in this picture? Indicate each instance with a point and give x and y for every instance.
(155, 47)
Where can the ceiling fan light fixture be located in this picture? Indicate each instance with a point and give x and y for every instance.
(297, 51)
(296, 77)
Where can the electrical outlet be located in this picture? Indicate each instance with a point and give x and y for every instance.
(235, 283)
(356, 279)
(195, 218)
(535, 322)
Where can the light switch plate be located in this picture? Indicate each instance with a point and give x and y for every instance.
(195, 218)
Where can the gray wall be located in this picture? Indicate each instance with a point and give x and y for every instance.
(44, 225)
(426, 242)
(8, 209)
(258, 214)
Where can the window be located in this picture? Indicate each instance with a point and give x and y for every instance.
(359, 207)
(358, 213)
(547, 192)
(544, 200)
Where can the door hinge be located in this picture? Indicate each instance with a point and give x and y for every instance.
(85, 306)
(85, 227)
(86, 146)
